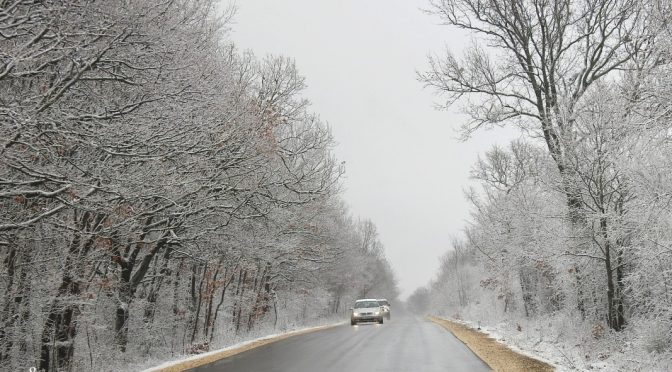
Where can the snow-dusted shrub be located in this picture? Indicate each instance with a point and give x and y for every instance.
(655, 335)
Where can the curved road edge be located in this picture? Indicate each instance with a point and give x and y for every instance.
(495, 354)
(213, 356)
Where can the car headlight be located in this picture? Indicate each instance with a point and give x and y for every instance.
(376, 313)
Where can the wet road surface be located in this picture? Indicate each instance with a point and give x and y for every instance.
(404, 343)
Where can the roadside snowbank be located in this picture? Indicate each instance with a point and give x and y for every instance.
(537, 350)
(211, 356)
(499, 356)
(559, 341)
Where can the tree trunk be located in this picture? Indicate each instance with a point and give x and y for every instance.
(155, 288)
(8, 309)
(124, 301)
(210, 293)
(200, 301)
(59, 330)
(238, 307)
(128, 284)
(620, 286)
(16, 309)
(614, 318)
(526, 291)
(176, 308)
(338, 293)
(22, 304)
(219, 304)
(260, 306)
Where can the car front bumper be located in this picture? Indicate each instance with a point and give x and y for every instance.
(366, 318)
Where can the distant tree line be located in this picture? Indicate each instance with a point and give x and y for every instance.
(574, 218)
(161, 191)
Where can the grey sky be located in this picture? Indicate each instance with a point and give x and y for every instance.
(405, 168)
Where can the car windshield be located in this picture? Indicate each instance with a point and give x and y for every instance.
(364, 304)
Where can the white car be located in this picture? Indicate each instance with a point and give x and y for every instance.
(385, 304)
(366, 310)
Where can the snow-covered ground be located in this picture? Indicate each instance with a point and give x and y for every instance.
(559, 342)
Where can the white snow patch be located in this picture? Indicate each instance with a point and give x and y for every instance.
(542, 351)
(568, 345)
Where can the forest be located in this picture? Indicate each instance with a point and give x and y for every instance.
(162, 193)
(569, 241)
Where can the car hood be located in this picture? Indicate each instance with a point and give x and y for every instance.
(366, 309)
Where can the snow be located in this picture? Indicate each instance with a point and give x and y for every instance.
(542, 351)
(567, 351)
(236, 346)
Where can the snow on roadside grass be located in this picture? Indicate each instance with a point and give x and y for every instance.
(212, 356)
(540, 351)
(536, 342)
(560, 342)
(499, 356)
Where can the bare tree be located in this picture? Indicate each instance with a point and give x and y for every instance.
(536, 61)
(161, 191)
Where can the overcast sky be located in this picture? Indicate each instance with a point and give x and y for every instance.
(405, 168)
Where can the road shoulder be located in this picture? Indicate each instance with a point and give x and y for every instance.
(496, 355)
(213, 356)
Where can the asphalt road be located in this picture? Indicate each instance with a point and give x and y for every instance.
(404, 343)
